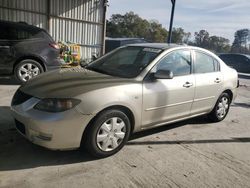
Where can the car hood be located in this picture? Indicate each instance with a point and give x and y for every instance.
(66, 83)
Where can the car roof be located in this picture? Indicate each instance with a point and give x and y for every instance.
(123, 39)
(162, 46)
(225, 54)
(20, 24)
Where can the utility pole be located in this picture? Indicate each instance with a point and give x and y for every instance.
(171, 22)
(105, 5)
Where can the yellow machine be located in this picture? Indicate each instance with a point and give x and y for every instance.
(70, 53)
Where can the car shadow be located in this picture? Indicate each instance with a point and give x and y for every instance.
(213, 141)
(8, 80)
(195, 121)
(243, 105)
(244, 76)
(17, 153)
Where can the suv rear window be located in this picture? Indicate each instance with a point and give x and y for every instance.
(3, 34)
(15, 32)
(25, 33)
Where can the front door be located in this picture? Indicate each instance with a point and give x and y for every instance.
(169, 99)
(5, 50)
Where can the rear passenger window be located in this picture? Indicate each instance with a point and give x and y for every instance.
(205, 63)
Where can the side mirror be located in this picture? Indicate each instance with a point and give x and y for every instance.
(83, 64)
(94, 57)
(164, 74)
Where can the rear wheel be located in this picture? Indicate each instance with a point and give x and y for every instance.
(108, 133)
(27, 69)
(221, 108)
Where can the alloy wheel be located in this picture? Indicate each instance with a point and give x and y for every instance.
(28, 71)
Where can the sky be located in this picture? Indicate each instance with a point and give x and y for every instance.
(218, 17)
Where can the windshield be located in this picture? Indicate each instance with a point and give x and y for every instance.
(125, 62)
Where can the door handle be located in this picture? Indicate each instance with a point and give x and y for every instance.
(188, 85)
(217, 80)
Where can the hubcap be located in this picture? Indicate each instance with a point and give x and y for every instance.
(28, 71)
(111, 134)
(222, 107)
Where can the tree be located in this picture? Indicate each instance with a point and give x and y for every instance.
(131, 25)
(179, 36)
(202, 38)
(241, 41)
(155, 32)
(219, 44)
(214, 43)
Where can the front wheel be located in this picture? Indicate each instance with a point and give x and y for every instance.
(108, 133)
(221, 108)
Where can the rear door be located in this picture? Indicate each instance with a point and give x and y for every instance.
(208, 80)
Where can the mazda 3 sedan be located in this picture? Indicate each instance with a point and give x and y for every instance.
(131, 89)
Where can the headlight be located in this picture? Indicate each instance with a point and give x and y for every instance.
(56, 105)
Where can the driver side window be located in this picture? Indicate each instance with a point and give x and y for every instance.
(179, 62)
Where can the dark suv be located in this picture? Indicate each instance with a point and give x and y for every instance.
(239, 62)
(26, 50)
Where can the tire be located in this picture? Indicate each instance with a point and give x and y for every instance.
(27, 69)
(112, 128)
(221, 108)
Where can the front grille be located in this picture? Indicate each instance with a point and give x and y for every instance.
(19, 98)
(20, 127)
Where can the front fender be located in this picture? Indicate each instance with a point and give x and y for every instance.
(129, 96)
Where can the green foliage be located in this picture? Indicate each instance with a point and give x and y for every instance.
(132, 26)
(241, 42)
(213, 43)
(219, 44)
(179, 36)
(201, 39)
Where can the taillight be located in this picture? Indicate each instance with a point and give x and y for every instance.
(55, 46)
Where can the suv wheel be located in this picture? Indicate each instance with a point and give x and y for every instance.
(108, 133)
(221, 108)
(27, 69)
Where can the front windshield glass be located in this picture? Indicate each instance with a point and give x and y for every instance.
(125, 62)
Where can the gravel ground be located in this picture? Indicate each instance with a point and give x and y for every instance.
(192, 153)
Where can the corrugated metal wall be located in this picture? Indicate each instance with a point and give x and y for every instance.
(30, 11)
(76, 21)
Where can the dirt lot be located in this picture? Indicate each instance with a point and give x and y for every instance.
(193, 153)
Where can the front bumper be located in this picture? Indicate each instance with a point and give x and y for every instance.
(55, 131)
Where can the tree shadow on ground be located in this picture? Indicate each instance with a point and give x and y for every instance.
(243, 105)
